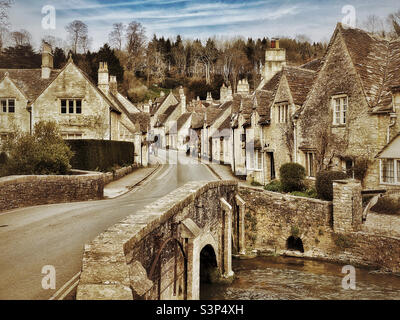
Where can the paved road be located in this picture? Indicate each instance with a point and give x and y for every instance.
(31, 238)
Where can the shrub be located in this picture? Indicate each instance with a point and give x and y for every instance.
(342, 241)
(103, 155)
(42, 153)
(311, 193)
(324, 183)
(292, 177)
(274, 186)
(3, 158)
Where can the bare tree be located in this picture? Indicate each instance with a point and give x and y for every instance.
(155, 65)
(394, 20)
(21, 37)
(54, 42)
(77, 34)
(375, 25)
(116, 36)
(136, 39)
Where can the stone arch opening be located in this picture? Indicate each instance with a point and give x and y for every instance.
(208, 264)
(294, 244)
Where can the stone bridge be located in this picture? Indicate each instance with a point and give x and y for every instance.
(163, 251)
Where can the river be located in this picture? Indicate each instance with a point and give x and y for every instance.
(287, 278)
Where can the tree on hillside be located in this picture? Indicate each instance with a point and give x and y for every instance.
(77, 35)
(116, 36)
(21, 57)
(106, 54)
(136, 39)
(21, 38)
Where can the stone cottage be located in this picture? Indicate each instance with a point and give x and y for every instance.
(82, 109)
(349, 121)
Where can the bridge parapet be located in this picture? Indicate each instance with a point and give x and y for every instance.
(155, 254)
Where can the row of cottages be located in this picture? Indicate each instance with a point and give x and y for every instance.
(67, 96)
(337, 113)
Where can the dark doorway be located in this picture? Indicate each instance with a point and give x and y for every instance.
(209, 272)
(295, 244)
(272, 165)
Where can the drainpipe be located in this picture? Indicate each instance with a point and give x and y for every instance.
(110, 124)
(233, 151)
(393, 118)
(295, 140)
(29, 108)
(262, 155)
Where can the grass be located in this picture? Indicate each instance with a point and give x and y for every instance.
(276, 186)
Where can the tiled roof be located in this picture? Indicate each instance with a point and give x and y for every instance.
(29, 81)
(300, 83)
(377, 62)
(313, 65)
(197, 120)
(182, 120)
(170, 110)
(264, 101)
(141, 119)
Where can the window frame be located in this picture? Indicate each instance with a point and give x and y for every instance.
(395, 172)
(68, 107)
(310, 165)
(283, 113)
(340, 110)
(7, 108)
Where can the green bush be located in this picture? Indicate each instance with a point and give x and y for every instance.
(292, 177)
(311, 193)
(324, 183)
(42, 153)
(274, 186)
(103, 155)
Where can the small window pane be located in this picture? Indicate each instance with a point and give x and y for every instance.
(79, 106)
(11, 106)
(63, 106)
(4, 105)
(71, 106)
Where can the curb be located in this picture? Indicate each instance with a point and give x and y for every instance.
(130, 188)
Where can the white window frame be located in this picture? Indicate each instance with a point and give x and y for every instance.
(396, 172)
(342, 111)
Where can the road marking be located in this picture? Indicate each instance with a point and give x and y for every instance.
(65, 286)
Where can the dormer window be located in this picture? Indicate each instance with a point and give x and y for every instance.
(340, 107)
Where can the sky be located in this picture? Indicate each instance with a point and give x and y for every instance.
(197, 19)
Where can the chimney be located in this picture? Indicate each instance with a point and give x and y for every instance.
(275, 60)
(209, 97)
(47, 61)
(113, 85)
(183, 99)
(243, 87)
(103, 77)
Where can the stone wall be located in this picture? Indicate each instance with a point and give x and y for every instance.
(142, 257)
(271, 218)
(25, 191)
(328, 231)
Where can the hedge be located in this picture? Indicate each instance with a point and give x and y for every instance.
(324, 183)
(102, 155)
(292, 177)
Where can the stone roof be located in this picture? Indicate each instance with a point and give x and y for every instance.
(313, 65)
(182, 120)
(300, 82)
(224, 129)
(141, 120)
(377, 62)
(29, 81)
(197, 120)
(264, 100)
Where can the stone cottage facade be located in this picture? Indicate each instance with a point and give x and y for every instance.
(82, 109)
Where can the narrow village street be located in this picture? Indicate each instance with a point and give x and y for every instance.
(31, 238)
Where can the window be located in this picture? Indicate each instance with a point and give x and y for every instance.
(72, 135)
(340, 107)
(71, 106)
(390, 171)
(283, 113)
(8, 105)
(310, 164)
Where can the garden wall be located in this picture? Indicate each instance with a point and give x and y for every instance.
(25, 191)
